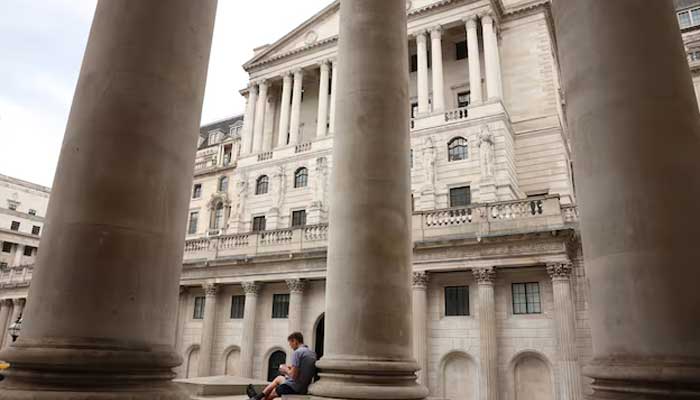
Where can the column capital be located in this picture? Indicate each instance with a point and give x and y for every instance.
(421, 36)
(484, 276)
(436, 31)
(253, 87)
(262, 82)
(487, 19)
(251, 288)
(287, 75)
(420, 280)
(296, 285)
(560, 270)
(184, 289)
(210, 289)
(470, 21)
(324, 63)
(19, 301)
(334, 61)
(298, 73)
(5, 302)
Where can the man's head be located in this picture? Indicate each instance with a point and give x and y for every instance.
(295, 340)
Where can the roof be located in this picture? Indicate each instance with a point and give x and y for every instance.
(24, 183)
(223, 125)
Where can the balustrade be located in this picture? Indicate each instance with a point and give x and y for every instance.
(234, 241)
(271, 238)
(457, 114)
(516, 209)
(265, 156)
(316, 233)
(303, 147)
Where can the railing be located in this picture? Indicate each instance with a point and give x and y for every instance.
(265, 156)
(456, 115)
(272, 238)
(570, 214)
(303, 147)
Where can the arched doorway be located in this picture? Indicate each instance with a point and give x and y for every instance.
(319, 335)
(232, 362)
(459, 377)
(276, 359)
(192, 362)
(533, 379)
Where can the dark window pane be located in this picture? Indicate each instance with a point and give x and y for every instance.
(194, 219)
(463, 99)
(298, 218)
(414, 63)
(197, 191)
(276, 359)
(36, 229)
(6, 247)
(28, 251)
(280, 305)
(199, 303)
(456, 300)
(461, 50)
(237, 307)
(301, 178)
(526, 298)
(261, 185)
(457, 149)
(15, 225)
(258, 224)
(460, 197)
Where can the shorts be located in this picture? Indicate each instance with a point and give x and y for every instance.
(285, 389)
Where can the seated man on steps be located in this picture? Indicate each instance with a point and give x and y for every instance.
(295, 378)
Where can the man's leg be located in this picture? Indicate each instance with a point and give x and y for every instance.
(272, 386)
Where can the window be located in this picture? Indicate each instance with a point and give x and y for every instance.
(461, 50)
(28, 251)
(273, 364)
(3, 265)
(463, 99)
(456, 301)
(301, 177)
(460, 196)
(12, 206)
(218, 219)
(261, 185)
(414, 110)
(227, 154)
(689, 18)
(237, 307)
(32, 211)
(414, 63)
(526, 298)
(457, 149)
(197, 191)
(298, 218)
(214, 138)
(6, 247)
(192, 225)
(14, 226)
(199, 307)
(36, 229)
(694, 55)
(259, 223)
(280, 305)
(223, 184)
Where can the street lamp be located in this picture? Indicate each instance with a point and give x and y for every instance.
(15, 327)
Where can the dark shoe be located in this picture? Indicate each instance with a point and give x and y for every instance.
(250, 391)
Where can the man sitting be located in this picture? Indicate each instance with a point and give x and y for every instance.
(295, 378)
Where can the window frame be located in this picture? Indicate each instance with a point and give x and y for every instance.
(31, 212)
(222, 184)
(36, 230)
(457, 149)
(461, 48)
(465, 308)
(254, 225)
(280, 308)
(200, 302)
(14, 226)
(197, 191)
(692, 20)
(7, 247)
(527, 303)
(192, 229)
(237, 306)
(301, 224)
(468, 94)
(262, 185)
(30, 248)
(301, 177)
(217, 220)
(452, 197)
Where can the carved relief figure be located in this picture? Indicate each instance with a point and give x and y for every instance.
(429, 160)
(320, 181)
(279, 188)
(241, 196)
(487, 151)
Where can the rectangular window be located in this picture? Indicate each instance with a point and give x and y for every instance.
(12, 206)
(7, 247)
(32, 211)
(694, 55)
(3, 265)
(298, 218)
(463, 99)
(192, 226)
(460, 197)
(684, 19)
(456, 301)
(280, 305)
(414, 63)
(414, 110)
(461, 50)
(197, 191)
(689, 18)
(199, 303)
(526, 298)
(14, 226)
(28, 251)
(237, 307)
(258, 224)
(36, 230)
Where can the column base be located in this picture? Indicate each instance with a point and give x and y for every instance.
(627, 378)
(346, 379)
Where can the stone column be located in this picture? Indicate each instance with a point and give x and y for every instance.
(438, 79)
(296, 303)
(283, 133)
(633, 116)
(17, 311)
(491, 58)
(5, 307)
(321, 127)
(422, 74)
(296, 107)
(488, 358)
(334, 86)
(17, 259)
(100, 319)
(420, 324)
(248, 121)
(251, 290)
(565, 327)
(368, 339)
(474, 59)
(259, 127)
(206, 343)
(180, 327)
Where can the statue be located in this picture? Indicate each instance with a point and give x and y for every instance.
(241, 196)
(487, 152)
(428, 160)
(278, 188)
(320, 181)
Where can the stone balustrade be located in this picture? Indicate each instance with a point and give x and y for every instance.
(265, 156)
(457, 114)
(16, 276)
(302, 148)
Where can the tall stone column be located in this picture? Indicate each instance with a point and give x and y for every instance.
(422, 73)
(368, 339)
(296, 107)
(17, 259)
(100, 319)
(474, 60)
(249, 120)
(296, 303)
(322, 127)
(420, 324)
(633, 116)
(17, 310)
(180, 327)
(251, 290)
(438, 76)
(488, 358)
(260, 108)
(5, 308)
(206, 342)
(565, 327)
(491, 58)
(334, 87)
(283, 132)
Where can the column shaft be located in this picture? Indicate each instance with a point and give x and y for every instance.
(322, 127)
(283, 133)
(206, 342)
(474, 61)
(438, 79)
(296, 303)
(100, 319)
(420, 324)
(19, 252)
(5, 307)
(422, 75)
(491, 58)
(259, 127)
(334, 87)
(251, 290)
(488, 357)
(296, 107)
(368, 339)
(249, 121)
(180, 327)
(635, 126)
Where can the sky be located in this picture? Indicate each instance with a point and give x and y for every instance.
(41, 50)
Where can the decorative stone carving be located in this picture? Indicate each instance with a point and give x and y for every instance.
(319, 198)
(420, 280)
(429, 160)
(484, 275)
(487, 152)
(560, 270)
(241, 196)
(311, 37)
(251, 288)
(279, 187)
(183, 290)
(210, 289)
(296, 285)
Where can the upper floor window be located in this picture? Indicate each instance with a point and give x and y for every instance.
(32, 211)
(456, 301)
(689, 18)
(237, 307)
(301, 177)
(12, 205)
(214, 137)
(199, 303)
(197, 191)
(223, 184)
(218, 219)
(460, 196)
(36, 229)
(461, 50)
(7, 247)
(457, 149)
(14, 226)
(259, 223)
(261, 185)
(192, 225)
(298, 218)
(280, 305)
(463, 99)
(28, 251)
(526, 298)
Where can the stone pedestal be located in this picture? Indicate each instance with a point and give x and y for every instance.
(487, 190)
(208, 324)
(488, 357)
(420, 324)
(296, 304)
(100, 319)
(272, 219)
(5, 307)
(17, 311)
(633, 115)
(251, 290)
(368, 340)
(180, 327)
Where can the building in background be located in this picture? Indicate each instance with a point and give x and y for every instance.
(689, 21)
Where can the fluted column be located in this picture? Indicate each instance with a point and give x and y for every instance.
(420, 324)
(206, 342)
(5, 308)
(334, 87)
(296, 303)
(422, 73)
(100, 319)
(565, 328)
(488, 358)
(17, 259)
(259, 127)
(283, 132)
(322, 127)
(491, 58)
(474, 60)
(249, 120)
(438, 76)
(17, 310)
(180, 327)
(251, 290)
(296, 107)
(369, 331)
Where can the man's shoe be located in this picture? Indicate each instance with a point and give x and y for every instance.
(250, 391)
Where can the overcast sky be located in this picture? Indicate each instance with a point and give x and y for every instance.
(41, 49)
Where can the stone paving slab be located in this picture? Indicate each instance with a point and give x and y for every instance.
(219, 386)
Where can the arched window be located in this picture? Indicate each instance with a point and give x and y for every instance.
(301, 177)
(218, 218)
(457, 149)
(261, 185)
(276, 359)
(223, 184)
